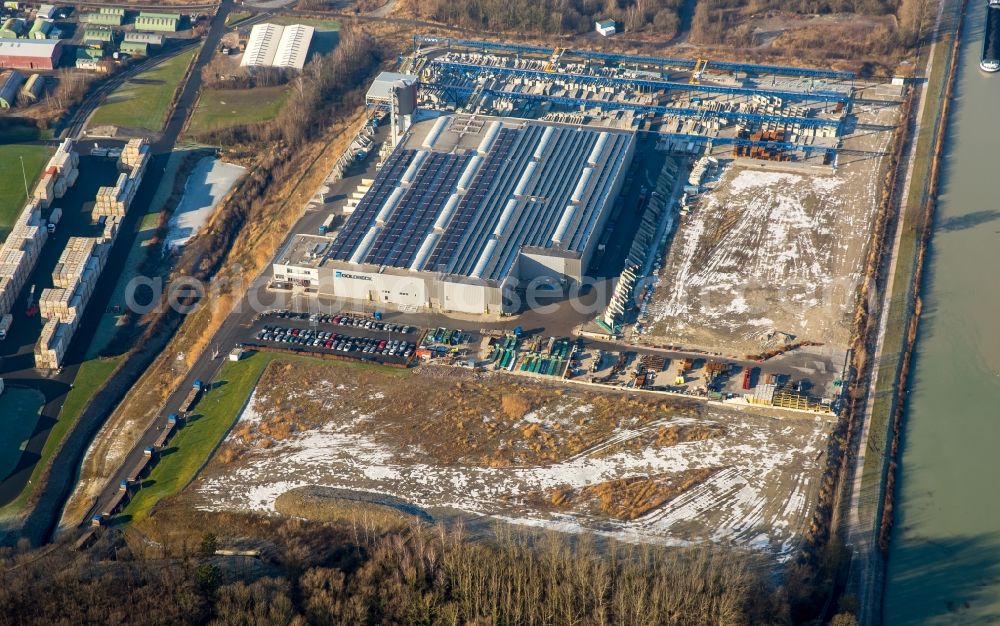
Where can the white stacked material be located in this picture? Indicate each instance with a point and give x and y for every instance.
(59, 174)
(81, 262)
(75, 277)
(135, 153)
(7, 293)
(52, 344)
(21, 250)
(110, 230)
(53, 303)
(115, 200)
(72, 261)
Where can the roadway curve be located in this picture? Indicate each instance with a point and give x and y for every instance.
(44, 515)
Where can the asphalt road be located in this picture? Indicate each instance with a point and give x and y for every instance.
(206, 368)
(236, 327)
(55, 385)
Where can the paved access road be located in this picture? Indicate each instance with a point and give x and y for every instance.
(45, 514)
(236, 328)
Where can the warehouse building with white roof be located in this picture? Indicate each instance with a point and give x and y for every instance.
(468, 207)
(274, 45)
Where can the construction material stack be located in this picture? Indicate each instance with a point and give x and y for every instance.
(74, 277)
(134, 157)
(81, 263)
(59, 175)
(767, 146)
(115, 200)
(28, 234)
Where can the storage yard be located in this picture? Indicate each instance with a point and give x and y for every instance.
(24, 243)
(816, 136)
(765, 257)
(81, 263)
(450, 441)
(803, 111)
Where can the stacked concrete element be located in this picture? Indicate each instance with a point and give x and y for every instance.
(116, 199)
(620, 303)
(81, 263)
(59, 175)
(20, 251)
(75, 278)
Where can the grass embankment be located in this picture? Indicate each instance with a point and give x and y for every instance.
(222, 108)
(89, 378)
(19, 409)
(12, 184)
(193, 444)
(308, 21)
(325, 38)
(142, 102)
(901, 302)
(237, 16)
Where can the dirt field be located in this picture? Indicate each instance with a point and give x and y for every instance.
(540, 454)
(770, 255)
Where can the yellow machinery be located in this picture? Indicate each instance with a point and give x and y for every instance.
(556, 54)
(699, 69)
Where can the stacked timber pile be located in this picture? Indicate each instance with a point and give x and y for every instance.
(59, 175)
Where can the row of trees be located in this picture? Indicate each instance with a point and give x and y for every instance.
(550, 16)
(326, 87)
(420, 575)
(723, 21)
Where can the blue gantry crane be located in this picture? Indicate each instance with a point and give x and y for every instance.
(472, 71)
(458, 92)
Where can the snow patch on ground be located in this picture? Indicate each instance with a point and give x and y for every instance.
(209, 182)
(760, 494)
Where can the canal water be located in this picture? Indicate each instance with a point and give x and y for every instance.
(944, 562)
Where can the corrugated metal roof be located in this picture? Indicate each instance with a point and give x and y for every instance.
(381, 88)
(273, 45)
(294, 46)
(28, 47)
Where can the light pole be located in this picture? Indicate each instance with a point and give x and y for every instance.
(24, 177)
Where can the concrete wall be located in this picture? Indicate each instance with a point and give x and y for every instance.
(296, 274)
(464, 298)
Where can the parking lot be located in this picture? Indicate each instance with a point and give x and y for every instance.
(341, 335)
(807, 379)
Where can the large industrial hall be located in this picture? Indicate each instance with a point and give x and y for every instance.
(467, 207)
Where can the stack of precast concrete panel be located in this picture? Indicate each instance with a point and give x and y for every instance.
(135, 154)
(19, 254)
(59, 175)
(52, 345)
(81, 263)
(115, 200)
(74, 277)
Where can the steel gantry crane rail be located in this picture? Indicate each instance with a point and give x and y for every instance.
(458, 92)
(472, 70)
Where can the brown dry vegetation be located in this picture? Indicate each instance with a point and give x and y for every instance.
(562, 17)
(631, 498)
(664, 436)
(826, 32)
(871, 36)
(320, 574)
(455, 417)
